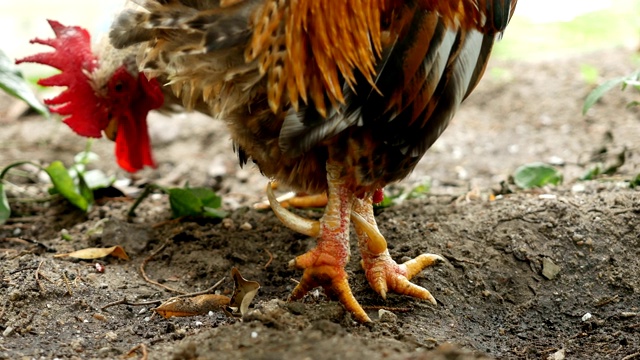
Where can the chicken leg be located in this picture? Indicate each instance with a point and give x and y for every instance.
(324, 265)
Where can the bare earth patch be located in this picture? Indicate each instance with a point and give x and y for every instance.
(551, 273)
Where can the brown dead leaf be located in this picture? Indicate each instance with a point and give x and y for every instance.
(192, 306)
(243, 293)
(96, 253)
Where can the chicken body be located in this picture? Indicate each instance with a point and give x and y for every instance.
(342, 97)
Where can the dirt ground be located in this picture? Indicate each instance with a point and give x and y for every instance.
(543, 274)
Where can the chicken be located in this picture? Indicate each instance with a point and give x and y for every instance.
(342, 97)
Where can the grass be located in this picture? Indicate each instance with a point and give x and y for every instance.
(615, 26)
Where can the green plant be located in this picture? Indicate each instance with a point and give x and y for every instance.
(536, 175)
(14, 84)
(76, 183)
(632, 80)
(187, 201)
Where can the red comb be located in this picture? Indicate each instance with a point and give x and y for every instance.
(73, 57)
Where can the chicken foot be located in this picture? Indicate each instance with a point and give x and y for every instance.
(324, 265)
(382, 272)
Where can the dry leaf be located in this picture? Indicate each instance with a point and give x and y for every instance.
(243, 293)
(191, 306)
(96, 253)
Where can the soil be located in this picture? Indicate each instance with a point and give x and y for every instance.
(550, 273)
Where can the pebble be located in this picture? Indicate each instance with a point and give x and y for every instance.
(578, 188)
(549, 269)
(15, 295)
(558, 355)
(111, 336)
(228, 224)
(387, 316)
(246, 226)
(586, 316)
(8, 331)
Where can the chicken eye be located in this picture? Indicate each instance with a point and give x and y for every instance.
(118, 87)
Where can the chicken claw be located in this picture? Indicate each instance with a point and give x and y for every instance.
(382, 272)
(334, 281)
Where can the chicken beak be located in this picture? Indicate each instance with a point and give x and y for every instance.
(111, 131)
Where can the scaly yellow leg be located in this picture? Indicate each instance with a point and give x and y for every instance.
(324, 265)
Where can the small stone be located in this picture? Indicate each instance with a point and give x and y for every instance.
(15, 295)
(578, 188)
(627, 314)
(228, 224)
(387, 316)
(558, 355)
(549, 269)
(8, 331)
(296, 308)
(111, 336)
(246, 226)
(586, 317)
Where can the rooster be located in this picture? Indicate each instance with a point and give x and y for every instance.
(342, 97)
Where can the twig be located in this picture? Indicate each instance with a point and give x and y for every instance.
(124, 301)
(605, 301)
(78, 278)
(147, 191)
(270, 258)
(23, 269)
(142, 348)
(168, 222)
(207, 291)
(37, 276)
(632, 356)
(388, 308)
(618, 212)
(451, 257)
(147, 279)
(4, 306)
(67, 283)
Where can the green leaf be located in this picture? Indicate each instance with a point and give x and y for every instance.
(536, 175)
(597, 93)
(633, 183)
(84, 188)
(214, 213)
(397, 198)
(420, 190)
(65, 186)
(592, 173)
(14, 84)
(184, 203)
(195, 202)
(5, 210)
